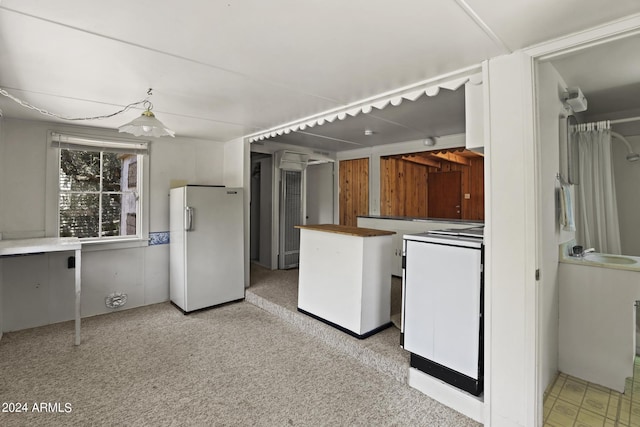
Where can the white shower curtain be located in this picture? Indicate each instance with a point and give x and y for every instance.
(597, 209)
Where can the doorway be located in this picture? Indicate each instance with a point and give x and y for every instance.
(261, 208)
(291, 214)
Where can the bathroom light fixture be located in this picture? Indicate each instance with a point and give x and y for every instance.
(146, 124)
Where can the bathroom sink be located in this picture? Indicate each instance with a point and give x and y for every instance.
(609, 259)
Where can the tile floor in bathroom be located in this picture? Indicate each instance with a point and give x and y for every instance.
(572, 402)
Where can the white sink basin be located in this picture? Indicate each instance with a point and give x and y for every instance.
(609, 259)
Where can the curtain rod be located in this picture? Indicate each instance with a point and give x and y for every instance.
(629, 119)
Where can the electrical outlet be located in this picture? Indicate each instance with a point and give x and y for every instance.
(467, 195)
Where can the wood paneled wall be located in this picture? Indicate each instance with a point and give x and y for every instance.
(403, 188)
(354, 190)
(472, 184)
(474, 207)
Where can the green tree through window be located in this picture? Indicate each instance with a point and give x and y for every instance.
(98, 194)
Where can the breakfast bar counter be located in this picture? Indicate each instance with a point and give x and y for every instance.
(45, 245)
(345, 277)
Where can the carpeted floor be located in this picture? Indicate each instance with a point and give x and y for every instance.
(276, 291)
(233, 365)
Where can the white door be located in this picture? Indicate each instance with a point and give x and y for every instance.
(319, 195)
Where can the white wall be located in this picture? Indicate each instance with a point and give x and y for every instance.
(38, 289)
(627, 177)
(510, 238)
(552, 137)
(237, 173)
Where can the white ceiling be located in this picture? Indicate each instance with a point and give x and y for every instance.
(225, 69)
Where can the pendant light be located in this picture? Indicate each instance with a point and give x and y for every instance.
(146, 124)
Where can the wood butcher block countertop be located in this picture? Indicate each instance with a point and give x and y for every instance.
(347, 229)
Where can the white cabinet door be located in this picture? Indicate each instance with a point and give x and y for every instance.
(442, 304)
(474, 116)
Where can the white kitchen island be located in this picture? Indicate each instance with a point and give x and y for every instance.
(345, 277)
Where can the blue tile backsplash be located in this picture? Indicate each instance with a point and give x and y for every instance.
(158, 238)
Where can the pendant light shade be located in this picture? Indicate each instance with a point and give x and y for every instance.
(146, 125)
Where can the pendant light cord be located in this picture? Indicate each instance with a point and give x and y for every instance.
(49, 113)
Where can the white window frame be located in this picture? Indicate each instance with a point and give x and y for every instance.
(97, 142)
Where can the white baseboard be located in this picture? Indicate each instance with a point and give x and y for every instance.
(459, 400)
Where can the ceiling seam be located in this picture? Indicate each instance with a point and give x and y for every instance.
(483, 26)
(173, 55)
(330, 138)
(392, 122)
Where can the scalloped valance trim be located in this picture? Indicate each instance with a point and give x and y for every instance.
(366, 106)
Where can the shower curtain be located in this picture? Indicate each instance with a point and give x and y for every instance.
(597, 209)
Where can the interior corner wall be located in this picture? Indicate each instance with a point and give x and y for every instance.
(510, 237)
(237, 173)
(552, 138)
(37, 290)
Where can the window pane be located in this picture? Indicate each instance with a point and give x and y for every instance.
(111, 171)
(129, 210)
(79, 170)
(111, 214)
(79, 215)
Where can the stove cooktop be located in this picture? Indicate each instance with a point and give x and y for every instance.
(473, 232)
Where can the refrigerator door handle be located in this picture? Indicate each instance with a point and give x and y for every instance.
(188, 218)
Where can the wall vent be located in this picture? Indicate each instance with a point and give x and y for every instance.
(115, 300)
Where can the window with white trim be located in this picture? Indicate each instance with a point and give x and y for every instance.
(99, 188)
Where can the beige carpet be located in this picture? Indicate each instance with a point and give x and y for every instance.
(276, 291)
(232, 365)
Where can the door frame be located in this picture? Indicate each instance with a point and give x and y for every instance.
(622, 28)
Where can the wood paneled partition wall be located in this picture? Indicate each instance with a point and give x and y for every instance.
(404, 188)
(404, 182)
(354, 190)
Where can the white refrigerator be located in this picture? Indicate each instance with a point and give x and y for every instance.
(206, 250)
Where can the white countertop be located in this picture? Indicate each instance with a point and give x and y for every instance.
(42, 244)
(596, 259)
